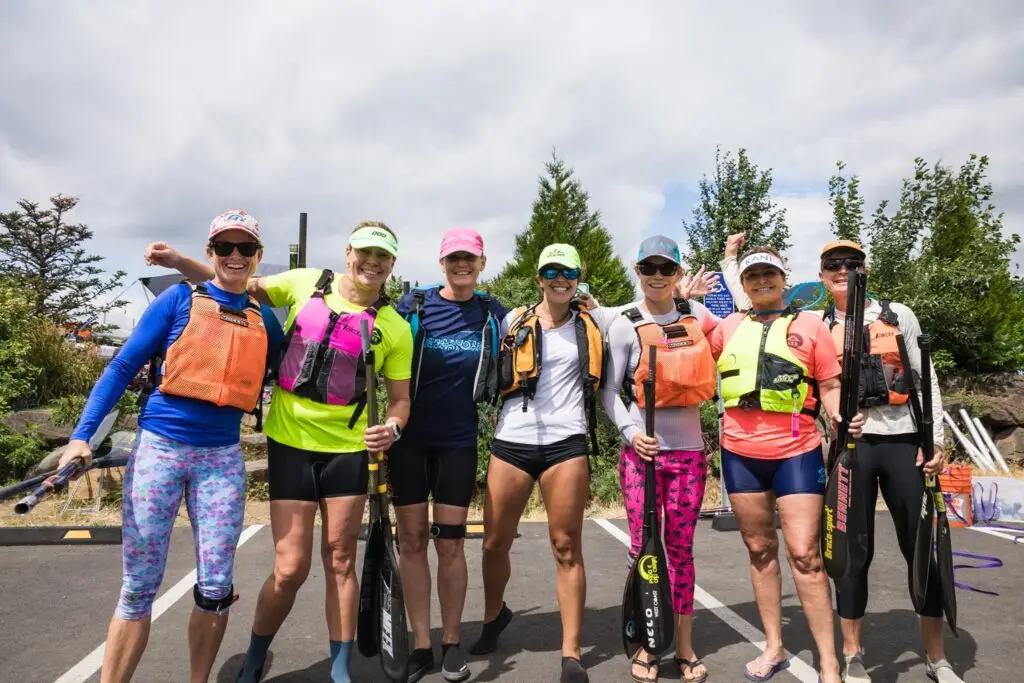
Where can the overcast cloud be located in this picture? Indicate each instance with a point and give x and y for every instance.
(433, 114)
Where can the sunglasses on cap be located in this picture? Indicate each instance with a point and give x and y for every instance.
(667, 268)
(851, 263)
(246, 249)
(551, 272)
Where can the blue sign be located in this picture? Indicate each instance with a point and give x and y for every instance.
(718, 299)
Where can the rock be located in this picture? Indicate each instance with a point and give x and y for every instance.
(48, 463)
(1004, 412)
(41, 419)
(1010, 443)
(255, 439)
(131, 422)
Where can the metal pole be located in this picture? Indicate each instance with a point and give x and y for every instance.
(302, 240)
(293, 256)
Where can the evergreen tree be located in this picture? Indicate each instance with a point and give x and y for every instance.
(561, 213)
(43, 255)
(944, 254)
(847, 205)
(736, 199)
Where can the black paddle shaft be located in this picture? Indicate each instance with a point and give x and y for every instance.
(853, 337)
(927, 433)
(650, 483)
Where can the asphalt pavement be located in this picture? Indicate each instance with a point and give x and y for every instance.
(57, 602)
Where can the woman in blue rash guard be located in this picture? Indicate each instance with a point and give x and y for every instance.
(455, 346)
(208, 345)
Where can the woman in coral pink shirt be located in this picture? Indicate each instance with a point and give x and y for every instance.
(778, 370)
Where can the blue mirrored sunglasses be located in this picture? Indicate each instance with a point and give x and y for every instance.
(551, 272)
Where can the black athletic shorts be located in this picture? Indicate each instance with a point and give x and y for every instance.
(297, 474)
(417, 471)
(536, 459)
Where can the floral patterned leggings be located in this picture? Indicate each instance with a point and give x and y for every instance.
(159, 472)
(680, 477)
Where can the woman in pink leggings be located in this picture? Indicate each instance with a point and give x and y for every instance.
(685, 378)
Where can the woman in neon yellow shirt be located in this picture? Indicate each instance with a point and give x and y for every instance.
(317, 438)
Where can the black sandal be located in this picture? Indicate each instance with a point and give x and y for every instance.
(653, 664)
(684, 664)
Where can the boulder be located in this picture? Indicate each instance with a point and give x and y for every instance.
(1010, 443)
(40, 419)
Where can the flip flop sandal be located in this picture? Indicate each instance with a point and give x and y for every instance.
(776, 668)
(686, 663)
(653, 664)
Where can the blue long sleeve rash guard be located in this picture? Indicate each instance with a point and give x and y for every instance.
(188, 420)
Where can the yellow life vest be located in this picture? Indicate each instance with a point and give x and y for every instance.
(520, 359)
(759, 370)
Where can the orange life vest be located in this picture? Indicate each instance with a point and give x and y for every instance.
(882, 372)
(220, 356)
(686, 372)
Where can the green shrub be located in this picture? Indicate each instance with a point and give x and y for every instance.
(19, 453)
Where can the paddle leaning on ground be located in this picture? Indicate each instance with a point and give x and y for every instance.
(647, 617)
(930, 551)
(843, 540)
(381, 625)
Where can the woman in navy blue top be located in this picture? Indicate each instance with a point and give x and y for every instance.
(208, 346)
(455, 330)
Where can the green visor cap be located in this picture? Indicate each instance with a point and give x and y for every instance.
(371, 236)
(559, 254)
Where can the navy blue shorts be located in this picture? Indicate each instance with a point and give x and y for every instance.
(803, 473)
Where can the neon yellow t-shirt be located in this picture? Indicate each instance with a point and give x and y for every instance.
(302, 423)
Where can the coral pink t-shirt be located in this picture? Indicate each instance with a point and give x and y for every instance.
(768, 435)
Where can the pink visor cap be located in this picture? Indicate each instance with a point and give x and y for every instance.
(462, 239)
(236, 219)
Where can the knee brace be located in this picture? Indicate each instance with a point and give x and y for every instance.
(447, 530)
(215, 606)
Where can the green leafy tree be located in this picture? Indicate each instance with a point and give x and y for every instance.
(561, 213)
(847, 205)
(944, 254)
(736, 199)
(43, 253)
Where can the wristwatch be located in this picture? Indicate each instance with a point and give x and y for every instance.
(396, 429)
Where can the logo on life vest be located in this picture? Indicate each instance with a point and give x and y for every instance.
(241, 322)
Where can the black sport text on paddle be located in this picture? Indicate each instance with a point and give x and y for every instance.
(843, 542)
(647, 617)
(381, 624)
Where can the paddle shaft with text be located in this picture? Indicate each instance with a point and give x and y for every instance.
(648, 619)
(933, 534)
(840, 518)
(381, 627)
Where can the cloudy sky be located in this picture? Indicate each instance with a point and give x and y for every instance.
(433, 114)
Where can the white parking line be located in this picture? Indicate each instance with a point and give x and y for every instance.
(92, 662)
(799, 668)
(999, 534)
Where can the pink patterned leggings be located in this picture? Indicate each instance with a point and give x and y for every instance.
(680, 477)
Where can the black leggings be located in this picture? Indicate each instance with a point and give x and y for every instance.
(888, 463)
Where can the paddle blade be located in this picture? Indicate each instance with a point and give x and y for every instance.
(367, 634)
(630, 632)
(944, 556)
(835, 516)
(924, 543)
(393, 631)
(653, 598)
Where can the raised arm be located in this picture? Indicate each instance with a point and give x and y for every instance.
(163, 254)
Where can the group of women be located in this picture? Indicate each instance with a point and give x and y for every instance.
(443, 351)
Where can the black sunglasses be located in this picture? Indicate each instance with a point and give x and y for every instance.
(851, 263)
(246, 249)
(667, 269)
